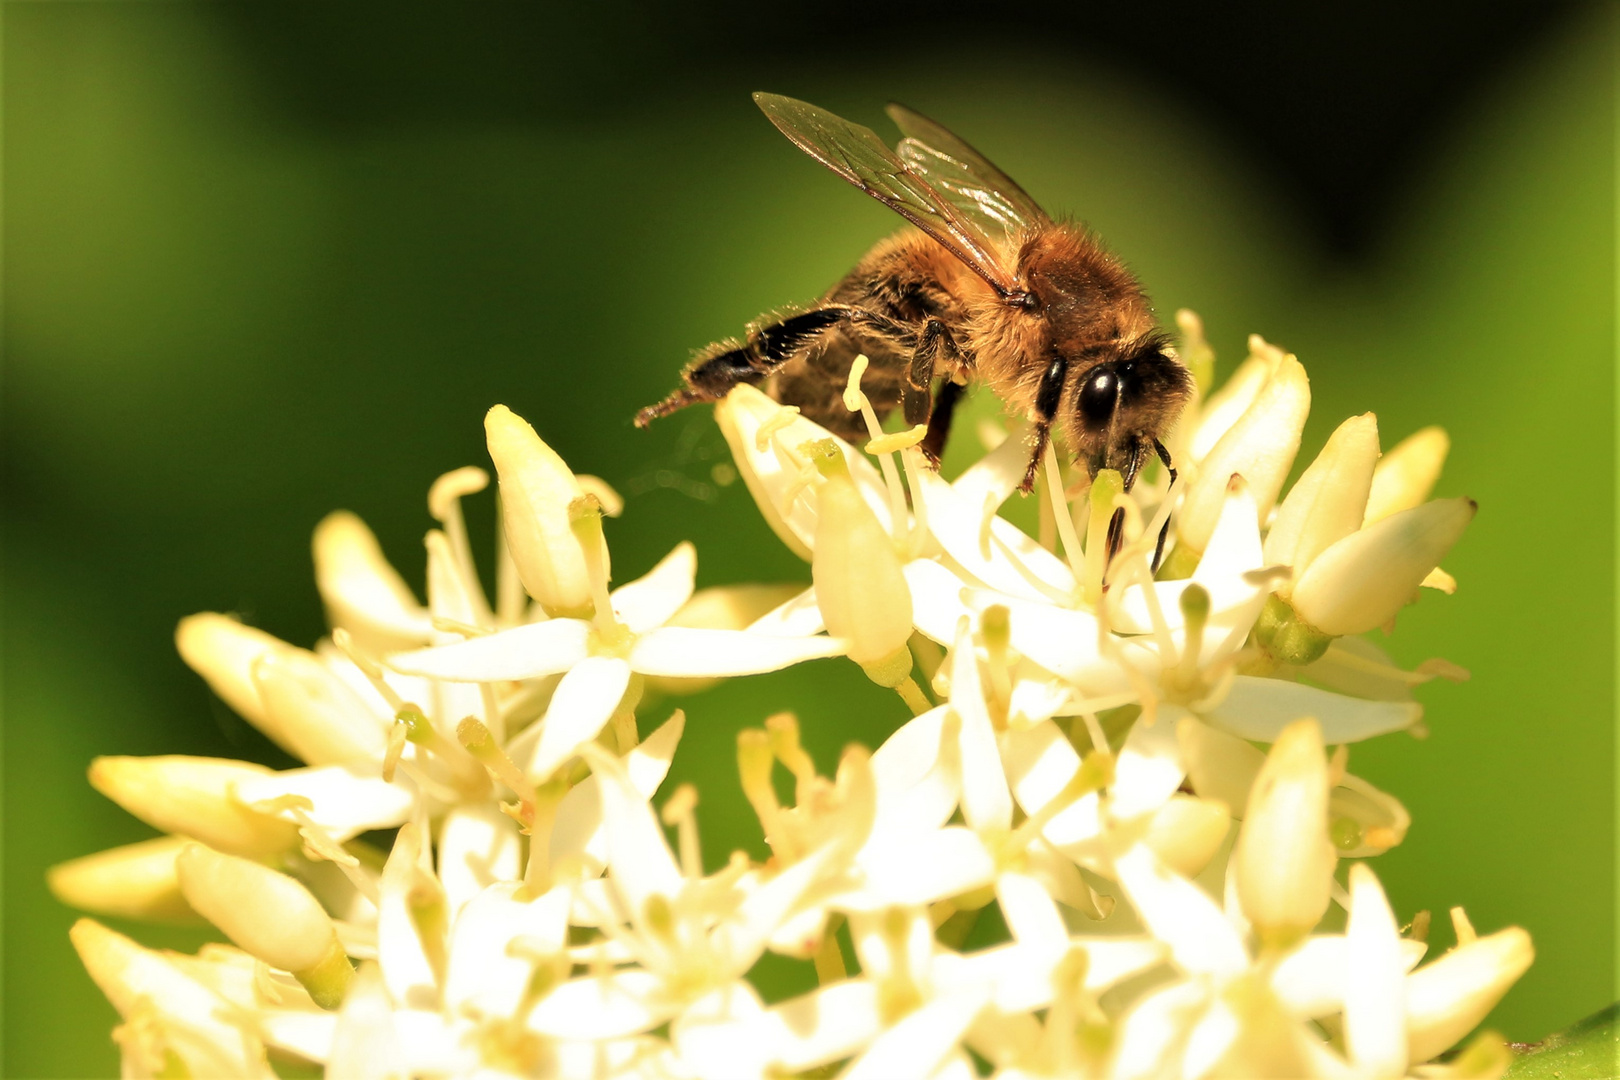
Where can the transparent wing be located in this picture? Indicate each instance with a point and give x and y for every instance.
(974, 186)
(859, 156)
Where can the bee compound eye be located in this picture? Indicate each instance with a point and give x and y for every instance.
(1098, 396)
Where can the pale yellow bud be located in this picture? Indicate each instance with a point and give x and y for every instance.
(1446, 999)
(223, 652)
(860, 586)
(1407, 474)
(1328, 500)
(190, 1020)
(363, 593)
(1222, 408)
(537, 488)
(194, 797)
(1362, 581)
(1186, 832)
(321, 719)
(1283, 856)
(267, 914)
(1260, 447)
(135, 881)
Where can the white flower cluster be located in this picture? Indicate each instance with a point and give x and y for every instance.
(1082, 768)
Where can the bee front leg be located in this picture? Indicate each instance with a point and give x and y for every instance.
(725, 364)
(935, 353)
(1048, 396)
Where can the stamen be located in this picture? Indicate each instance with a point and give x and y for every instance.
(1107, 484)
(368, 666)
(1065, 523)
(1466, 934)
(1194, 617)
(912, 459)
(754, 762)
(537, 876)
(510, 599)
(829, 956)
(585, 519)
(681, 812)
(778, 421)
(456, 626)
(1099, 739)
(856, 401)
(995, 626)
(783, 730)
(482, 746)
(444, 503)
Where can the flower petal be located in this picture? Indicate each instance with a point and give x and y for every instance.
(679, 650)
(652, 599)
(603, 1006)
(578, 829)
(362, 592)
(1178, 913)
(580, 707)
(1375, 989)
(773, 470)
(1001, 556)
(478, 846)
(485, 973)
(799, 616)
(921, 1042)
(344, 802)
(1149, 769)
(524, 652)
(1259, 708)
(918, 780)
(936, 599)
(920, 869)
(643, 866)
(986, 803)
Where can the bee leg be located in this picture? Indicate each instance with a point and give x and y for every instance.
(1047, 398)
(939, 420)
(1164, 530)
(723, 365)
(935, 349)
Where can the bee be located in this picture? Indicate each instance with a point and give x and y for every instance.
(983, 285)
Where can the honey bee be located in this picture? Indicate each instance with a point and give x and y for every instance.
(983, 285)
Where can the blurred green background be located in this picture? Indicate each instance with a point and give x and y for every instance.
(267, 260)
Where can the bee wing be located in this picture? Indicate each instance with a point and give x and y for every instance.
(963, 175)
(859, 156)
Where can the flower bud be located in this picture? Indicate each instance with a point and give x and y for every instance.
(1446, 999)
(321, 719)
(536, 490)
(1186, 832)
(1328, 500)
(860, 586)
(1362, 581)
(223, 651)
(1407, 474)
(194, 797)
(1284, 858)
(362, 592)
(268, 915)
(1260, 447)
(135, 881)
(1222, 408)
(138, 980)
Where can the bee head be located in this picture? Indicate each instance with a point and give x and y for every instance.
(1123, 403)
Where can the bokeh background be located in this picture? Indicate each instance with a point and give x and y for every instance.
(267, 260)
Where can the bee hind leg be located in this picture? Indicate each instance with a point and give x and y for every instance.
(725, 364)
